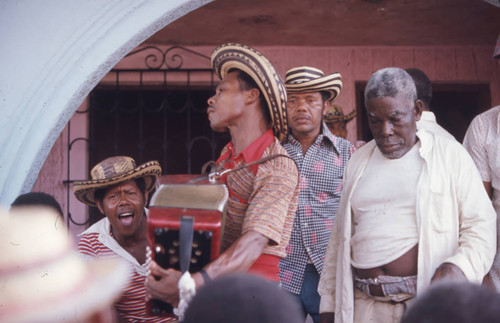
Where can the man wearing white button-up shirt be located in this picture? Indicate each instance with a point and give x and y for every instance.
(413, 211)
(482, 141)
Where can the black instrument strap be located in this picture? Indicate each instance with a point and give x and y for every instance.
(185, 242)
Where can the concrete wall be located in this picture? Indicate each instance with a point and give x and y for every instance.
(53, 53)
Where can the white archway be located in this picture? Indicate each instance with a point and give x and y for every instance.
(53, 54)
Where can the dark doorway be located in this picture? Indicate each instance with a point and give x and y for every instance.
(455, 105)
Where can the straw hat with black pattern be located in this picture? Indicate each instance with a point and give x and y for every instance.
(309, 79)
(334, 113)
(112, 171)
(247, 59)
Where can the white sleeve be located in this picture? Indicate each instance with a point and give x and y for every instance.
(474, 142)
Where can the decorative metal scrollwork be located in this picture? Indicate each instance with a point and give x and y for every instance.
(167, 58)
(139, 88)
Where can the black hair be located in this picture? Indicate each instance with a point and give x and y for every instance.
(453, 301)
(325, 95)
(242, 295)
(37, 199)
(99, 194)
(247, 83)
(423, 85)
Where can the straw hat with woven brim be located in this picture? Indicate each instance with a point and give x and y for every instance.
(257, 66)
(334, 113)
(43, 279)
(309, 79)
(112, 171)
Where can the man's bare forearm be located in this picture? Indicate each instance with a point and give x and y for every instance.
(240, 256)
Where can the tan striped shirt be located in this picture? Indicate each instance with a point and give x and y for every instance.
(262, 198)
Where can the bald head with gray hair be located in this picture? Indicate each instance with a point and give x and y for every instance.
(391, 82)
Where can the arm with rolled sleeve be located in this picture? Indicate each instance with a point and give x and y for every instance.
(273, 202)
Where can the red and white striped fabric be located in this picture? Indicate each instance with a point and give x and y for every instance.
(97, 241)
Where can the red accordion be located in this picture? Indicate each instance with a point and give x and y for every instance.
(180, 197)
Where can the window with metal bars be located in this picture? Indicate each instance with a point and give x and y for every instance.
(154, 113)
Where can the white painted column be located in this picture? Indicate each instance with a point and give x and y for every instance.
(53, 54)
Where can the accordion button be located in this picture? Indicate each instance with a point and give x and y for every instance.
(159, 249)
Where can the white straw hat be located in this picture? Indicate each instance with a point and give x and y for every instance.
(42, 279)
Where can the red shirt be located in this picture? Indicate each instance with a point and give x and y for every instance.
(262, 197)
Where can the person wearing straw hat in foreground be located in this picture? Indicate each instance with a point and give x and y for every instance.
(249, 103)
(321, 159)
(120, 190)
(43, 279)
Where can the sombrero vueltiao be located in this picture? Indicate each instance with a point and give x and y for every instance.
(309, 79)
(112, 171)
(43, 279)
(334, 113)
(257, 66)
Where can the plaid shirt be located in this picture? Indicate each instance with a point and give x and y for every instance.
(321, 176)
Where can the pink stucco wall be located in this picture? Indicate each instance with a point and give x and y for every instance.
(55, 169)
(450, 64)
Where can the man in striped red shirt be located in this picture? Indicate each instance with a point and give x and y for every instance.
(120, 191)
(250, 104)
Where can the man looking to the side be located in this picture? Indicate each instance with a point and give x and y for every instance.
(321, 159)
(249, 103)
(413, 211)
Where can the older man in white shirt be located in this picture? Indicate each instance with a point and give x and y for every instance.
(413, 211)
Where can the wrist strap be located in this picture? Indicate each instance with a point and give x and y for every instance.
(205, 276)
